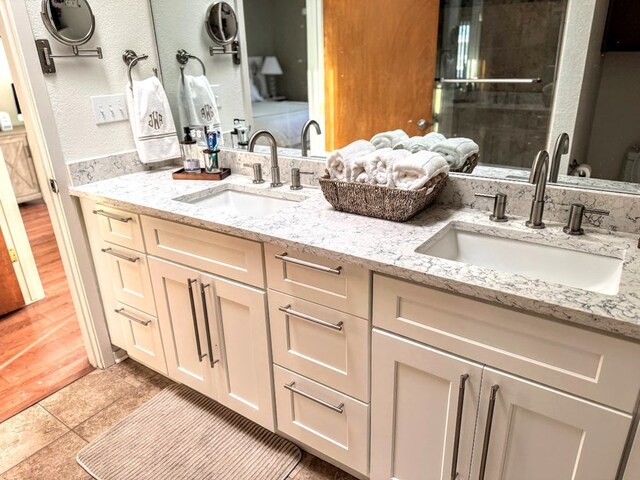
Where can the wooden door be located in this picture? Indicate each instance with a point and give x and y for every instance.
(541, 433)
(379, 64)
(415, 397)
(11, 297)
(237, 319)
(182, 325)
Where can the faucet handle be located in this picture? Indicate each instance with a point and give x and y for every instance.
(499, 206)
(295, 178)
(576, 214)
(257, 171)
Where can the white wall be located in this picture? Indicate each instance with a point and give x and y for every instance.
(181, 25)
(120, 25)
(578, 76)
(615, 125)
(7, 103)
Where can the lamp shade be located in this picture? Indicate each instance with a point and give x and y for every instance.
(271, 66)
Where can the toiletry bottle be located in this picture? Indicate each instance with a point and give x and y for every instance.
(187, 146)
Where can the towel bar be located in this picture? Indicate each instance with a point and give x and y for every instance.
(183, 58)
(131, 59)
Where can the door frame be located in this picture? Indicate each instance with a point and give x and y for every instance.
(49, 162)
(315, 70)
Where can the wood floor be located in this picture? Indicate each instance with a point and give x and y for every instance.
(41, 347)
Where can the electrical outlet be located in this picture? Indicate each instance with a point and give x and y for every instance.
(109, 108)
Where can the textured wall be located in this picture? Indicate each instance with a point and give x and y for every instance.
(180, 25)
(120, 24)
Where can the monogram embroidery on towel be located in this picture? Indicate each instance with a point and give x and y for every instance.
(207, 112)
(155, 120)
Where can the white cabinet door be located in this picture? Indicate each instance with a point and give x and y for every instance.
(237, 316)
(177, 293)
(538, 433)
(416, 396)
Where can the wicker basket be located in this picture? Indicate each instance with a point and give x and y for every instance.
(381, 202)
(468, 166)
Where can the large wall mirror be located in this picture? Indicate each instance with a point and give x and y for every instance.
(513, 75)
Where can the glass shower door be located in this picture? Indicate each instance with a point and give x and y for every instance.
(496, 71)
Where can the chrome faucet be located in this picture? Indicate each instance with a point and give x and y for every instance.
(304, 137)
(538, 176)
(561, 148)
(275, 168)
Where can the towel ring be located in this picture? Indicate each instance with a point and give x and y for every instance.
(131, 59)
(183, 58)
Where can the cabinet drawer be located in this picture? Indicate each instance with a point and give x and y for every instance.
(230, 257)
(119, 227)
(130, 280)
(328, 346)
(342, 287)
(143, 341)
(572, 359)
(323, 419)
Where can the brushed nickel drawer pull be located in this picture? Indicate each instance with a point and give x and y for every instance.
(456, 439)
(128, 316)
(113, 216)
(296, 261)
(487, 431)
(292, 388)
(335, 326)
(194, 317)
(112, 252)
(207, 327)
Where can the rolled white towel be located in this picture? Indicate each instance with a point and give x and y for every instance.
(389, 139)
(378, 165)
(338, 162)
(413, 172)
(456, 150)
(415, 144)
(357, 171)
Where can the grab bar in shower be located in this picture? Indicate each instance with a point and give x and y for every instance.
(488, 80)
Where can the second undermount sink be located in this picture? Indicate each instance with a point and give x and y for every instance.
(253, 204)
(584, 270)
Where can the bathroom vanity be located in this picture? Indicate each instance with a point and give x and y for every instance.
(361, 342)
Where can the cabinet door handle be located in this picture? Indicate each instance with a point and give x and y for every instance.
(286, 258)
(456, 439)
(207, 328)
(113, 216)
(292, 388)
(487, 431)
(335, 326)
(113, 253)
(195, 318)
(128, 316)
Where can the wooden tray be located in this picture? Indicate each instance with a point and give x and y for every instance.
(203, 175)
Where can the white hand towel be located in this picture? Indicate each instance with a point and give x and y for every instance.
(338, 162)
(378, 165)
(415, 144)
(413, 172)
(154, 130)
(389, 139)
(197, 103)
(456, 150)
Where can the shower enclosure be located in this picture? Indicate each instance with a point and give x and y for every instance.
(495, 75)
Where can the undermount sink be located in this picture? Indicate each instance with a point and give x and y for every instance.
(584, 270)
(252, 204)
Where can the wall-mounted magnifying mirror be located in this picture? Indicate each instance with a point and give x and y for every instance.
(222, 23)
(71, 22)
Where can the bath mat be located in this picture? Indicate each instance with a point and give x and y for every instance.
(181, 434)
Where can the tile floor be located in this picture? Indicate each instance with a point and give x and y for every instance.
(42, 441)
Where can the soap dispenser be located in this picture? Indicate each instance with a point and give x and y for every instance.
(188, 149)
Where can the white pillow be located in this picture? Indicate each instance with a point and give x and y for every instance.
(255, 94)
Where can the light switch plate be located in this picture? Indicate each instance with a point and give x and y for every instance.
(109, 108)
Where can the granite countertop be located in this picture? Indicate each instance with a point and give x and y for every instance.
(312, 226)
